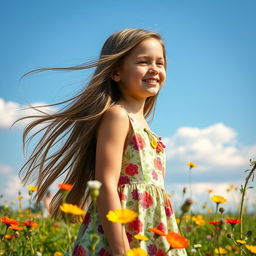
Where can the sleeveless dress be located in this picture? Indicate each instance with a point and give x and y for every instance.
(140, 188)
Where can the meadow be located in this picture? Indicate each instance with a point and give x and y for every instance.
(212, 231)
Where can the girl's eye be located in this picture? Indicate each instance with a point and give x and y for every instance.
(143, 61)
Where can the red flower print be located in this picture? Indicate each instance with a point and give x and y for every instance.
(168, 209)
(129, 236)
(158, 163)
(160, 253)
(138, 142)
(131, 169)
(86, 221)
(122, 196)
(79, 251)
(154, 175)
(146, 200)
(152, 250)
(123, 180)
(136, 225)
(135, 194)
(161, 227)
(103, 252)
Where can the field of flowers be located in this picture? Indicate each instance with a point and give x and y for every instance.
(212, 231)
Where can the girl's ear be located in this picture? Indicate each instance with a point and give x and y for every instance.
(115, 76)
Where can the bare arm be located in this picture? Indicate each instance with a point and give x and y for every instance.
(111, 137)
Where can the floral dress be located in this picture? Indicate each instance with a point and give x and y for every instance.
(140, 188)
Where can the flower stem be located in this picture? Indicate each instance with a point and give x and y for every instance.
(243, 196)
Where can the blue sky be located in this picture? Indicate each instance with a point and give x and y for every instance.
(206, 109)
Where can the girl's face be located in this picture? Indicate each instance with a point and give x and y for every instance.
(142, 73)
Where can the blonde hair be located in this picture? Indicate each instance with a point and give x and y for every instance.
(75, 125)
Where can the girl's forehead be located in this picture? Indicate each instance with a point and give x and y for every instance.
(149, 46)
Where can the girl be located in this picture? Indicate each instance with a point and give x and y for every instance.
(107, 138)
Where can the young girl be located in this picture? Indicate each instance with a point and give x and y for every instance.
(107, 138)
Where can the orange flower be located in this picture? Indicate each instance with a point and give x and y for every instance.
(157, 231)
(65, 186)
(8, 221)
(177, 241)
(15, 227)
(30, 224)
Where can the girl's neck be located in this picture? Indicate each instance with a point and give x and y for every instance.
(135, 107)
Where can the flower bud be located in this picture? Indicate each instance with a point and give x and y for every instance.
(229, 235)
(249, 233)
(186, 206)
(221, 210)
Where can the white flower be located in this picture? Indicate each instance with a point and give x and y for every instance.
(94, 184)
(197, 245)
(193, 250)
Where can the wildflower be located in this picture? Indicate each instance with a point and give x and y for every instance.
(197, 246)
(221, 210)
(199, 220)
(72, 209)
(214, 222)
(65, 186)
(220, 251)
(136, 252)
(30, 224)
(15, 227)
(241, 241)
(186, 206)
(191, 165)
(20, 197)
(9, 221)
(9, 237)
(94, 186)
(121, 216)
(233, 222)
(218, 199)
(251, 248)
(210, 191)
(177, 241)
(58, 254)
(141, 237)
(157, 231)
(32, 188)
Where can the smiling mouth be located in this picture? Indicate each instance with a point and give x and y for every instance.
(151, 81)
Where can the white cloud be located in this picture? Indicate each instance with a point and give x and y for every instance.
(213, 147)
(5, 169)
(13, 185)
(11, 111)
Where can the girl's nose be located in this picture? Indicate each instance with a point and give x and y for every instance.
(152, 70)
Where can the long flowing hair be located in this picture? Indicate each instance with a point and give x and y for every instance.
(74, 126)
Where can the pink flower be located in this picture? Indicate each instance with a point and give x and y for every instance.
(138, 142)
(131, 169)
(154, 175)
(123, 180)
(146, 200)
(168, 209)
(135, 194)
(158, 163)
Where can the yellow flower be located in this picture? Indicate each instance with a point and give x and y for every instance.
(71, 208)
(141, 237)
(136, 252)
(210, 191)
(199, 220)
(20, 197)
(241, 241)
(153, 143)
(58, 254)
(218, 199)
(121, 216)
(251, 248)
(32, 188)
(220, 251)
(191, 164)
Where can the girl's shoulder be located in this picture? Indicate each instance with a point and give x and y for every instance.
(114, 120)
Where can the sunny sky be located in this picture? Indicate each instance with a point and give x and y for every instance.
(205, 111)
